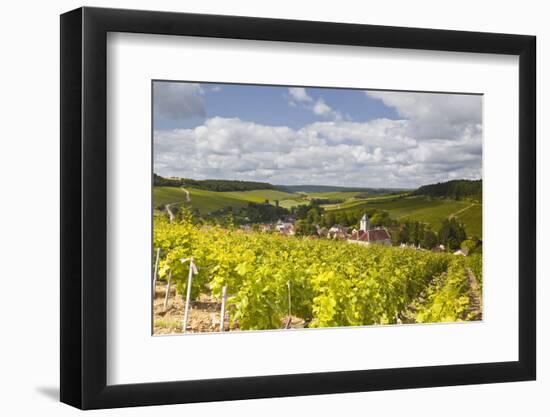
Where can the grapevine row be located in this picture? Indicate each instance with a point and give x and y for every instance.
(326, 283)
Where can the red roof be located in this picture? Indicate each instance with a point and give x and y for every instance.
(374, 235)
(377, 234)
(356, 234)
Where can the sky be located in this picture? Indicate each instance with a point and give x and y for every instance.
(320, 136)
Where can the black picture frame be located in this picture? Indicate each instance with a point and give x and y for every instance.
(84, 207)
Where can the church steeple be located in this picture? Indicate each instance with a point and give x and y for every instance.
(365, 223)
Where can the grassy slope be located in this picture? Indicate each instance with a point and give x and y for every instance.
(292, 202)
(208, 201)
(259, 196)
(205, 201)
(344, 195)
(411, 208)
(472, 218)
(354, 204)
(423, 209)
(167, 195)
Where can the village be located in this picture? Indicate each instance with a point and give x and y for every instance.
(366, 234)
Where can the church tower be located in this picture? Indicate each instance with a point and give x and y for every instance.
(365, 223)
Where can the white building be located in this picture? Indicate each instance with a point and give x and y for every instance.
(365, 223)
(366, 235)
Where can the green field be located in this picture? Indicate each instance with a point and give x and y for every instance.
(205, 201)
(472, 218)
(343, 195)
(292, 202)
(259, 196)
(208, 201)
(353, 204)
(167, 195)
(420, 208)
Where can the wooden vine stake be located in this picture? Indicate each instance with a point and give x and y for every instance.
(222, 313)
(167, 290)
(288, 323)
(192, 270)
(289, 301)
(155, 273)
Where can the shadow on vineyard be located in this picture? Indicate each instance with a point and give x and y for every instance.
(268, 281)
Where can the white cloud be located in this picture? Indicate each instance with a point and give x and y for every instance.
(176, 101)
(433, 115)
(323, 109)
(378, 153)
(299, 94)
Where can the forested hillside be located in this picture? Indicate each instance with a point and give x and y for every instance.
(455, 189)
(212, 185)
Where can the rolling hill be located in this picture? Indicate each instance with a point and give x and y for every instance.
(207, 201)
(312, 189)
(421, 208)
(402, 207)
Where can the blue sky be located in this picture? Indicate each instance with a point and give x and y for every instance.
(269, 105)
(307, 135)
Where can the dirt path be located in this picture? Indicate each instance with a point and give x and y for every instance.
(475, 312)
(168, 207)
(187, 195)
(408, 315)
(169, 211)
(456, 213)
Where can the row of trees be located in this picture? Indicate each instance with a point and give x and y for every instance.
(452, 235)
(212, 185)
(252, 213)
(415, 233)
(314, 214)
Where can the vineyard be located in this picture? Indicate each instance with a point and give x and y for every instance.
(259, 281)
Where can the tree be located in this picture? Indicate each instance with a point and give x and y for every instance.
(452, 233)
(454, 189)
(305, 228)
(404, 234)
(312, 216)
(472, 245)
(303, 211)
(413, 234)
(329, 219)
(380, 219)
(430, 239)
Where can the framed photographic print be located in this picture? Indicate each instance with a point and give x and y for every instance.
(291, 208)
